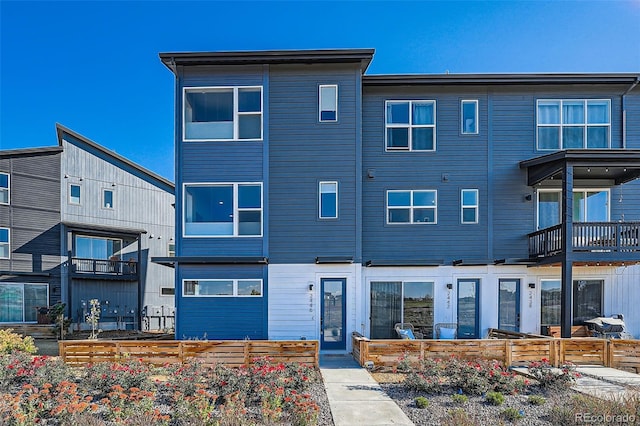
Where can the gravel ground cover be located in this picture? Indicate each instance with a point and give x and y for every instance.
(442, 410)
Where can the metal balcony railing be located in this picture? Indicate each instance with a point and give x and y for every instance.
(128, 268)
(587, 237)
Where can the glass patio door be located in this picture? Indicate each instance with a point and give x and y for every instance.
(468, 304)
(333, 313)
(509, 305)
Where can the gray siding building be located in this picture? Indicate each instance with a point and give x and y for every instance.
(83, 223)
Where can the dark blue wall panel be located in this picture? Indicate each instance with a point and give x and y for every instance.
(221, 317)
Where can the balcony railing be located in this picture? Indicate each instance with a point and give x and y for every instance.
(587, 237)
(108, 268)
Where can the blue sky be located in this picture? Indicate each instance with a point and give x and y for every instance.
(94, 67)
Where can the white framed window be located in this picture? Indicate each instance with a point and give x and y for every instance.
(171, 249)
(410, 125)
(328, 200)
(5, 188)
(469, 206)
(5, 243)
(328, 102)
(469, 117)
(222, 288)
(573, 124)
(589, 205)
(222, 210)
(75, 193)
(107, 198)
(412, 206)
(222, 113)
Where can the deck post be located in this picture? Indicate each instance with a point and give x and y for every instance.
(567, 252)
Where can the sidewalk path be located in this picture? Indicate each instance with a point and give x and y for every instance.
(355, 397)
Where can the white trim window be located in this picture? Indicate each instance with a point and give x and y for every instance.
(171, 249)
(328, 200)
(589, 205)
(469, 206)
(222, 288)
(222, 210)
(412, 206)
(222, 113)
(328, 103)
(410, 125)
(108, 197)
(75, 192)
(5, 188)
(469, 117)
(5, 243)
(573, 124)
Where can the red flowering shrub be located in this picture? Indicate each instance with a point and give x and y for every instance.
(128, 374)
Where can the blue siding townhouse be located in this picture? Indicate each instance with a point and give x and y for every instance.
(313, 200)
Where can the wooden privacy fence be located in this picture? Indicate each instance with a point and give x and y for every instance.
(512, 352)
(233, 353)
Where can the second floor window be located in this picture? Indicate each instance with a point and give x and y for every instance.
(328, 200)
(222, 113)
(415, 206)
(588, 206)
(410, 125)
(4, 188)
(223, 210)
(573, 124)
(98, 248)
(469, 206)
(5, 244)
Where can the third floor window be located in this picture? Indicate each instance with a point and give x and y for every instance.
(222, 113)
(410, 125)
(573, 124)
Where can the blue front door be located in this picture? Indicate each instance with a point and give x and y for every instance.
(333, 313)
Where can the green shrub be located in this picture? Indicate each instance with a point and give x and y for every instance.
(495, 398)
(459, 398)
(536, 400)
(422, 402)
(553, 378)
(11, 342)
(458, 417)
(511, 414)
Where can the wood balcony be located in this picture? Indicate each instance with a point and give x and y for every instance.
(104, 269)
(605, 240)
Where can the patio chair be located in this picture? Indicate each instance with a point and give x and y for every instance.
(446, 330)
(405, 330)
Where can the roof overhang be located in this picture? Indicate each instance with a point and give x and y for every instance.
(499, 79)
(102, 229)
(618, 165)
(24, 152)
(408, 262)
(210, 260)
(332, 56)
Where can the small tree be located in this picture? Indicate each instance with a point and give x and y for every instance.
(93, 317)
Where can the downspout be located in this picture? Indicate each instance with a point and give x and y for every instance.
(624, 112)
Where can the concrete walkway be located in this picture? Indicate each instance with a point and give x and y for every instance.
(602, 382)
(355, 397)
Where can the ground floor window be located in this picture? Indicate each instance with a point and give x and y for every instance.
(397, 301)
(18, 302)
(587, 301)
